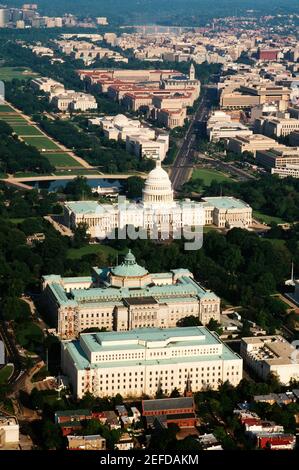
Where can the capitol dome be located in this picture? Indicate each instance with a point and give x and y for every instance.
(157, 188)
(120, 120)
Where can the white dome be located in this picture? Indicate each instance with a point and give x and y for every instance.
(120, 120)
(157, 188)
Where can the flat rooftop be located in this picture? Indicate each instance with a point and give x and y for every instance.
(140, 301)
(273, 350)
(226, 202)
(144, 338)
(167, 404)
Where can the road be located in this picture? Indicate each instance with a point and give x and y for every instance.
(227, 167)
(183, 163)
(11, 352)
(21, 182)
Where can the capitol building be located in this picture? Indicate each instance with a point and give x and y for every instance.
(158, 211)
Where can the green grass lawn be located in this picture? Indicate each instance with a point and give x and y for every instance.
(20, 73)
(19, 121)
(277, 242)
(29, 335)
(209, 175)
(4, 108)
(41, 143)
(13, 118)
(267, 219)
(24, 174)
(8, 406)
(5, 373)
(77, 253)
(209, 228)
(22, 129)
(16, 220)
(61, 160)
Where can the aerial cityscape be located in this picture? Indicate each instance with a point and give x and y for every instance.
(149, 228)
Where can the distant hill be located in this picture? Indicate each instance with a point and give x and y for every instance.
(135, 11)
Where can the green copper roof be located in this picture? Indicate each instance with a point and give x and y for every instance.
(140, 339)
(226, 202)
(129, 267)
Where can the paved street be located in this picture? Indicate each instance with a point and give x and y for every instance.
(182, 167)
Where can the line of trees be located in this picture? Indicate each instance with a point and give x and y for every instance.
(15, 155)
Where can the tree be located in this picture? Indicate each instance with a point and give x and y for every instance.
(117, 400)
(135, 185)
(175, 393)
(51, 435)
(29, 336)
(190, 320)
(213, 325)
(36, 399)
(81, 237)
(164, 439)
(188, 445)
(245, 329)
(16, 309)
(32, 225)
(79, 189)
(274, 382)
(160, 393)
(88, 401)
(5, 129)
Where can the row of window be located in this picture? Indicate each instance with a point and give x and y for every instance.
(164, 384)
(166, 372)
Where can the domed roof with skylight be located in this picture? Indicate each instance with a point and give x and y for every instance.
(129, 267)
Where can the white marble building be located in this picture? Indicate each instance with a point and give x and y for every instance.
(144, 360)
(157, 210)
(125, 297)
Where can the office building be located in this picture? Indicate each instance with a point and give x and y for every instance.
(9, 431)
(74, 101)
(47, 85)
(143, 361)
(144, 142)
(93, 442)
(271, 354)
(294, 139)
(4, 17)
(277, 127)
(279, 157)
(251, 143)
(102, 20)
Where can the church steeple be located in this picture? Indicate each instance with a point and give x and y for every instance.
(188, 388)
